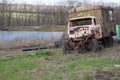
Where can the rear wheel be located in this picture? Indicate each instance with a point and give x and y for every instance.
(108, 41)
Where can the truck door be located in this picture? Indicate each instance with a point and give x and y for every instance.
(97, 27)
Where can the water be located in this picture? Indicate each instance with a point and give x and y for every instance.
(11, 35)
(9, 39)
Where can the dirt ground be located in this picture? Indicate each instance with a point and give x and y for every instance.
(106, 75)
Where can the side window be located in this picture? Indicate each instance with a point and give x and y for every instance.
(111, 15)
(108, 15)
(71, 24)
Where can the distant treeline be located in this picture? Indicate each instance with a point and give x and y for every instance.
(36, 15)
(29, 15)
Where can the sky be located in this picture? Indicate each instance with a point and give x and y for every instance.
(35, 1)
(55, 1)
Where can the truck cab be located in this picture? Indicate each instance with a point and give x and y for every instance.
(83, 27)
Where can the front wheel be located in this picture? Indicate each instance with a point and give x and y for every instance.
(93, 45)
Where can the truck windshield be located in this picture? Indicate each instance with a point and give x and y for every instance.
(79, 22)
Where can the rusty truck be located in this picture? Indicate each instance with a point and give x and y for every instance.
(90, 28)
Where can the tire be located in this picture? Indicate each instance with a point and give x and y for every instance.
(106, 42)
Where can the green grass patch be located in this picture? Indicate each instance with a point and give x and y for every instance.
(15, 69)
(51, 65)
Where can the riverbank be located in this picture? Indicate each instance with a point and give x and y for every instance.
(39, 28)
(19, 44)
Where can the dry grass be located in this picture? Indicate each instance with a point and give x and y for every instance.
(51, 64)
(24, 42)
(39, 28)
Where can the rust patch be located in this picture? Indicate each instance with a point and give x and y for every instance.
(97, 33)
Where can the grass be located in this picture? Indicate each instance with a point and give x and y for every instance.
(53, 65)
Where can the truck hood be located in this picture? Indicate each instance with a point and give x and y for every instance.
(80, 31)
(84, 27)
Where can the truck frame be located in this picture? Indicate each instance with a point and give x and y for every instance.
(90, 28)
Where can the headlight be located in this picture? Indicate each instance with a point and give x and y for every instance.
(71, 32)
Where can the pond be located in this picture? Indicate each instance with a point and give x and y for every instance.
(24, 38)
(11, 35)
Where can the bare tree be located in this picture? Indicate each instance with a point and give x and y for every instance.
(3, 14)
(9, 15)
